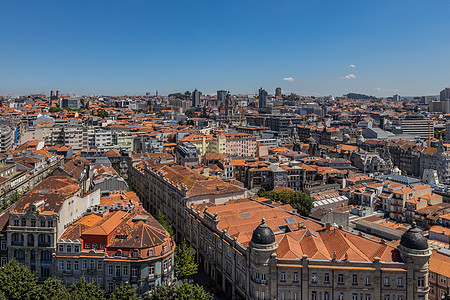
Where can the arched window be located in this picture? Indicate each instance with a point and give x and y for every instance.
(23, 222)
(16, 221)
(118, 253)
(30, 240)
(19, 255)
(135, 253)
(46, 256)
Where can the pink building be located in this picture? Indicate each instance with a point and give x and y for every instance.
(240, 144)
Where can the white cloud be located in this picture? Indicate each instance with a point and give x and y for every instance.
(290, 79)
(352, 66)
(378, 89)
(349, 76)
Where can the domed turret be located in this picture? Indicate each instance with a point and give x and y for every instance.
(310, 140)
(413, 239)
(346, 137)
(263, 235)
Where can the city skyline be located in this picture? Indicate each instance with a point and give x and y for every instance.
(308, 48)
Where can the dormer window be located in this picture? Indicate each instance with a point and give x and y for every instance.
(42, 222)
(33, 222)
(150, 252)
(24, 222)
(50, 223)
(87, 246)
(60, 248)
(135, 253)
(16, 221)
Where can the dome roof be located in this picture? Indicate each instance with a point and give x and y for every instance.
(346, 136)
(310, 140)
(263, 235)
(413, 239)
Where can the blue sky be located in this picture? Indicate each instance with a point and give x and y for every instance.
(133, 47)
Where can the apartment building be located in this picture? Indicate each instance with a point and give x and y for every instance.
(172, 188)
(240, 144)
(440, 275)
(37, 220)
(285, 256)
(114, 243)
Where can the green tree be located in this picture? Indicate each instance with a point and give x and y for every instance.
(189, 112)
(192, 291)
(167, 292)
(161, 218)
(17, 282)
(298, 200)
(83, 290)
(186, 265)
(102, 113)
(124, 292)
(52, 289)
(187, 291)
(55, 109)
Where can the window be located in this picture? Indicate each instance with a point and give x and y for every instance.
(387, 297)
(367, 297)
(282, 294)
(125, 270)
(165, 266)
(99, 281)
(355, 279)
(341, 296)
(399, 281)
(117, 271)
(60, 265)
(3, 245)
(421, 283)
(263, 277)
(42, 222)
(134, 272)
(69, 266)
(33, 222)
(386, 281)
(355, 296)
(327, 278)
(24, 222)
(400, 297)
(61, 248)
(83, 264)
(295, 277)
(151, 272)
(110, 286)
(110, 270)
(313, 295)
(92, 264)
(283, 277)
(50, 223)
(326, 296)
(87, 246)
(150, 252)
(3, 261)
(367, 280)
(75, 265)
(16, 222)
(340, 278)
(442, 279)
(314, 278)
(102, 246)
(76, 248)
(99, 265)
(94, 246)
(135, 253)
